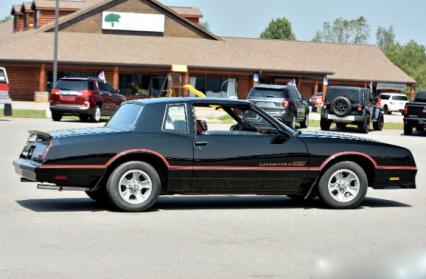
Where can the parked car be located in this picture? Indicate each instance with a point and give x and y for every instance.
(160, 146)
(351, 105)
(415, 114)
(4, 87)
(88, 98)
(315, 102)
(390, 102)
(283, 102)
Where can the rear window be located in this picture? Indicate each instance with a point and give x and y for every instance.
(352, 94)
(2, 77)
(268, 93)
(400, 98)
(420, 97)
(125, 117)
(74, 85)
(384, 97)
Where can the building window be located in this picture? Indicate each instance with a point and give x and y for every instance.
(36, 19)
(217, 87)
(144, 86)
(25, 21)
(16, 23)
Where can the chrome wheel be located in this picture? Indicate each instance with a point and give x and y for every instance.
(135, 186)
(344, 185)
(98, 114)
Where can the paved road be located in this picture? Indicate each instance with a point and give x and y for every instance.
(45, 234)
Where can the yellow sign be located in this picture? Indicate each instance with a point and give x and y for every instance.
(179, 68)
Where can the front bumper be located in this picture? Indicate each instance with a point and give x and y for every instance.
(395, 179)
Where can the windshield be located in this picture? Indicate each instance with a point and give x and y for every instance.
(125, 117)
(3, 79)
(74, 85)
(352, 94)
(268, 93)
(421, 97)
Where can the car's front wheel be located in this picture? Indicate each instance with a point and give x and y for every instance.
(408, 129)
(96, 114)
(378, 125)
(343, 185)
(305, 122)
(134, 186)
(56, 116)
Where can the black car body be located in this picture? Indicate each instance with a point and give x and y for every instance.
(283, 102)
(415, 114)
(88, 98)
(163, 139)
(351, 105)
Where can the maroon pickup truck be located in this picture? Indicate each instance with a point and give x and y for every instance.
(88, 98)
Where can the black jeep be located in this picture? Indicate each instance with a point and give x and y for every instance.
(351, 105)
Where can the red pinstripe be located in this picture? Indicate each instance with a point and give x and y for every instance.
(175, 167)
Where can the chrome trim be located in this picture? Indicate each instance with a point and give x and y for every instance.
(60, 188)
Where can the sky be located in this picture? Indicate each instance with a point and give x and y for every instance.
(246, 18)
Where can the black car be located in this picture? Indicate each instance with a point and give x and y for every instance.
(162, 147)
(351, 105)
(283, 102)
(415, 114)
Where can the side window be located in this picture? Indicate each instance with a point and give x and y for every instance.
(102, 86)
(175, 119)
(109, 88)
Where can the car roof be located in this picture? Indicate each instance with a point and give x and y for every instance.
(271, 86)
(192, 100)
(393, 94)
(79, 78)
(347, 87)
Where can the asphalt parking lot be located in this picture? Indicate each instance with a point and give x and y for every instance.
(46, 234)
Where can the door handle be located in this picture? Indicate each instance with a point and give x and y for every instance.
(201, 143)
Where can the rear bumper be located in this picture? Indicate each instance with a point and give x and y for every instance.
(415, 121)
(283, 115)
(71, 109)
(344, 119)
(395, 179)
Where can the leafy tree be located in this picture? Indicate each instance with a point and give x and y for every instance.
(6, 19)
(279, 28)
(385, 38)
(344, 31)
(112, 18)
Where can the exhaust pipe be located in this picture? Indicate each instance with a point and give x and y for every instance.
(61, 188)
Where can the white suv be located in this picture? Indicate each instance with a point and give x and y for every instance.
(392, 102)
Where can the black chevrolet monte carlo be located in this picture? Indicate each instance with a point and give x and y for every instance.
(178, 146)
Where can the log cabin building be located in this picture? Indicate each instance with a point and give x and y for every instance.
(145, 47)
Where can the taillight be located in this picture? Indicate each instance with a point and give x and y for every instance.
(285, 103)
(359, 107)
(55, 91)
(86, 93)
(379, 102)
(46, 150)
(405, 110)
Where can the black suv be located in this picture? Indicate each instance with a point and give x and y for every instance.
(283, 102)
(351, 105)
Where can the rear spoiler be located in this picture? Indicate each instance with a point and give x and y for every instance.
(43, 135)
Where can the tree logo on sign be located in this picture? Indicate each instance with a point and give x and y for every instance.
(112, 18)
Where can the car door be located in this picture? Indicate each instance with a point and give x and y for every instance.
(241, 161)
(115, 98)
(106, 96)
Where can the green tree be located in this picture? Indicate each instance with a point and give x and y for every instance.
(385, 38)
(279, 28)
(112, 18)
(344, 31)
(411, 58)
(6, 19)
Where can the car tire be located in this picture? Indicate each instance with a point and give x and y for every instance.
(56, 116)
(408, 129)
(127, 192)
(292, 124)
(364, 126)
(420, 129)
(99, 195)
(325, 125)
(343, 185)
(386, 110)
(305, 122)
(96, 114)
(83, 118)
(341, 126)
(378, 125)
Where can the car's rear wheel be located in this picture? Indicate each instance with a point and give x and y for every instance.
(344, 185)
(341, 126)
(378, 125)
(325, 125)
(408, 129)
(56, 116)
(305, 122)
(133, 186)
(96, 114)
(365, 126)
(292, 123)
